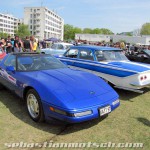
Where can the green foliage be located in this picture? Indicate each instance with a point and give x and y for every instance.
(22, 31)
(3, 35)
(106, 31)
(87, 31)
(145, 29)
(96, 31)
(129, 34)
(70, 31)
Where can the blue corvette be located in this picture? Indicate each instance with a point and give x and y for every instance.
(52, 90)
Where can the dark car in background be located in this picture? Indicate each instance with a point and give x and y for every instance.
(142, 56)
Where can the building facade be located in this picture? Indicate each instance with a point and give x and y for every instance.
(43, 23)
(8, 24)
(141, 40)
(93, 37)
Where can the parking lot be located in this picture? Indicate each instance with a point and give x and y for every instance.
(129, 123)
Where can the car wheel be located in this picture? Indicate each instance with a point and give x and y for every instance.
(34, 106)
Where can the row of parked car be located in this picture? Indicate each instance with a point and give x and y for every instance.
(73, 85)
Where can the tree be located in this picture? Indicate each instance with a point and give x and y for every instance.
(87, 31)
(22, 31)
(106, 31)
(70, 31)
(96, 31)
(145, 29)
(77, 30)
(3, 35)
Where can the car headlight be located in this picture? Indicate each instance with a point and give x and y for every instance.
(115, 102)
(80, 114)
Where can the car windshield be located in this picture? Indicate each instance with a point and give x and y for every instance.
(147, 52)
(114, 55)
(38, 62)
(67, 46)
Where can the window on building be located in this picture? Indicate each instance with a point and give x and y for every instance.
(30, 15)
(31, 27)
(31, 21)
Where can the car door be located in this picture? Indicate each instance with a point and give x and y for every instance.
(85, 59)
(10, 77)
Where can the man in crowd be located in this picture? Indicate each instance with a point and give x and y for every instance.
(16, 44)
(27, 45)
(8, 45)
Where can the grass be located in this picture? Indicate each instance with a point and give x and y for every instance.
(129, 123)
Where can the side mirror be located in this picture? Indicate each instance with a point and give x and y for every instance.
(10, 69)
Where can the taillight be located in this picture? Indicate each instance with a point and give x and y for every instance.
(143, 78)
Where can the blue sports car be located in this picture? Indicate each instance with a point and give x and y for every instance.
(52, 90)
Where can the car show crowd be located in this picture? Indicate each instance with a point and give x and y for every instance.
(32, 44)
(17, 44)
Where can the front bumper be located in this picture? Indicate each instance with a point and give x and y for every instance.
(95, 112)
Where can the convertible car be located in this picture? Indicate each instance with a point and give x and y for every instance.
(142, 56)
(109, 63)
(52, 90)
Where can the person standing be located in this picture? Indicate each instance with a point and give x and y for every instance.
(12, 42)
(8, 45)
(33, 44)
(16, 44)
(20, 45)
(3, 44)
(27, 45)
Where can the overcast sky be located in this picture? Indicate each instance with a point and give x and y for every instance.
(117, 15)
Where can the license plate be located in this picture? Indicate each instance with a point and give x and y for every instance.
(104, 110)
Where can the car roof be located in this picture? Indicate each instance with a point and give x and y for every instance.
(64, 43)
(91, 47)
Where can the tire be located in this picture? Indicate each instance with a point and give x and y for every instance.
(34, 106)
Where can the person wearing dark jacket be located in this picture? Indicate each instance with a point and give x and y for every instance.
(27, 45)
(8, 45)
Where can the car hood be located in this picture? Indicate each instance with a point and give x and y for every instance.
(131, 66)
(73, 82)
(71, 89)
(69, 84)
